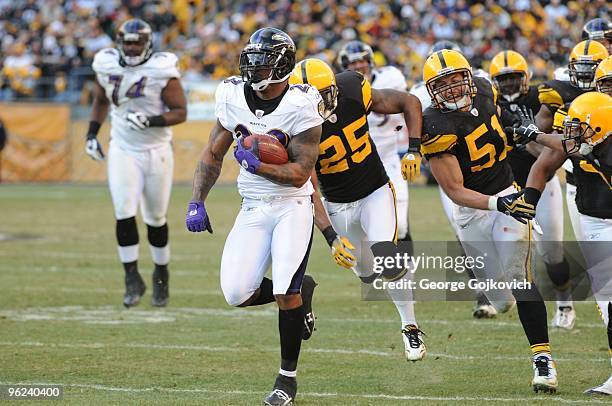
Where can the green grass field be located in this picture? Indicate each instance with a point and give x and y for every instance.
(61, 321)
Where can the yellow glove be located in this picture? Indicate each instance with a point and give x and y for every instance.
(411, 166)
(341, 251)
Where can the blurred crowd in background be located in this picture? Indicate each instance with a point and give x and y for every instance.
(47, 46)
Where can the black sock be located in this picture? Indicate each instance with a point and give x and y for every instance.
(161, 272)
(291, 328)
(532, 313)
(265, 293)
(610, 327)
(408, 243)
(130, 267)
(559, 274)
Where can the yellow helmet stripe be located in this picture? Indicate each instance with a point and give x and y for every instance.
(440, 55)
(304, 79)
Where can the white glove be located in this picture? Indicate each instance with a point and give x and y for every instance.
(94, 149)
(137, 120)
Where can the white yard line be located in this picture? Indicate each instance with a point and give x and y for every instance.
(381, 396)
(336, 351)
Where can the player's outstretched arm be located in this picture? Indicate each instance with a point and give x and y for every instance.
(544, 168)
(99, 111)
(447, 172)
(206, 174)
(544, 119)
(303, 151)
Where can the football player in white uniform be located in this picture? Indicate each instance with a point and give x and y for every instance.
(482, 308)
(144, 93)
(275, 223)
(385, 129)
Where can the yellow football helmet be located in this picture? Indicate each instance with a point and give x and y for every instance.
(603, 76)
(584, 59)
(318, 74)
(448, 94)
(510, 74)
(588, 121)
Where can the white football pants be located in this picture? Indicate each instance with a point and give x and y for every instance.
(394, 171)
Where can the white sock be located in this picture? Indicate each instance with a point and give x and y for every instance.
(129, 253)
(402, 298)
(290, 374)
(160, 255)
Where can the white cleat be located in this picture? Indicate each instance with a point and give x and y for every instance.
(603, 389)
(414, 347)
(565, 318)
(544, 374)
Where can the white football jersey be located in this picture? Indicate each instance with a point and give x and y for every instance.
(298, 111)
(136, 88)
(385, 129)
(420, 90)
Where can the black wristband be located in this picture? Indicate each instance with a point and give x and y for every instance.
(330, 235)
(532, 195)
(93, 130)
(414, 145)
(157, 121)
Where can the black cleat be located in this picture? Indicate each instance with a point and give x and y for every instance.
(283, 394)
(308, 286)
(160, 287)
(134, 289)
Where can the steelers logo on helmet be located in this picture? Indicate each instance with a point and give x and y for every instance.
(318, 74)
(584, 58)
(134, 42)
(588, 122)
(268, 58)
(449, 82)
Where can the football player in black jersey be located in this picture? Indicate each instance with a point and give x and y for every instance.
(510, 74)
(587, 142)
(467, 149)
(357, 193)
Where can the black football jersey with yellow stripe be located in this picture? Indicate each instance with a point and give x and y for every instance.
(593, 187)
(556, 93)
(475, 137)
(349, 167)
(520, 160)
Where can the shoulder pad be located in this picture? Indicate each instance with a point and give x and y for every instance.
(301, 91)
(106, 60)
(226, 87)
(485, 87)
(438, 133)
(548, 93)
(390, 77)
(355, 86)
(162, 65)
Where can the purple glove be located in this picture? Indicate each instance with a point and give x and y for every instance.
(246, 157)
(197, 219)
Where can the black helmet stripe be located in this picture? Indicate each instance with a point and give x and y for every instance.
(586, 46)
(304, 79)
(505, 58)
(441, 58)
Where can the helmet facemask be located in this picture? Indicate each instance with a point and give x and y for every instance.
(582, 73)
(511, 85)
(604, 85)
(444, 98)
(330, 100)
(260, 68)
(131, 55)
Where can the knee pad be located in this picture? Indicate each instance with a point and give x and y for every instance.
(158, 236)
(369, 279)
(236, 297)
(127, 232)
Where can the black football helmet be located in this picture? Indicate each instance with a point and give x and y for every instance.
(268, 58)
(444, 44)
(597, 28)
(135, 42)
(354, 51)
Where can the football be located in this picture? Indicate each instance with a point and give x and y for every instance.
(268, 148)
